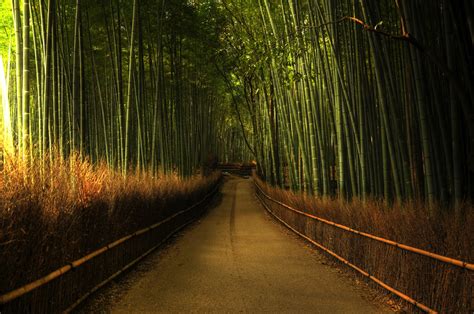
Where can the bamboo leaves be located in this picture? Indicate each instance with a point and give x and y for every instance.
(361, 108)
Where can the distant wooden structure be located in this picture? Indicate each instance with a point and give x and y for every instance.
(241, 169)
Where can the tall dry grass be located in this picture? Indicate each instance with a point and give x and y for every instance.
(52, 213)
(448, 289)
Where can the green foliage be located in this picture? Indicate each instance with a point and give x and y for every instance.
(355, 107)
(327, 104)
(6, 28)
(134, 83)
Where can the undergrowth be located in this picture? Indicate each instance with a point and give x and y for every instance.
(52, 213)
(447, 288)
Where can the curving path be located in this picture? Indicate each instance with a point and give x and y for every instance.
(236, 259)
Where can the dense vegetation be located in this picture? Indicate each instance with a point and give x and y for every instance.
(349, 99)
(128, 82)
(46, 223)
(358, 98)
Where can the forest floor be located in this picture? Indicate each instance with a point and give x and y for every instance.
(237, 259)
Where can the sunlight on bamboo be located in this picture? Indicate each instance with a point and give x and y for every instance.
(6, 139)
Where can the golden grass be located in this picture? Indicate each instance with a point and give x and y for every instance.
(442, 231)
(52, 213)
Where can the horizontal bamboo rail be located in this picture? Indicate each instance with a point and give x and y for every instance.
(361, 271)
(435, 256)
(123, 269)
(12, 295)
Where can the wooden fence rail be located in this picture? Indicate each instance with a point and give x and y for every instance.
(66, 295)
(439, 257)
(262, 196)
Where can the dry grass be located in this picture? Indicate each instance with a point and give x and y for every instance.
(49, 218)
(443, 287)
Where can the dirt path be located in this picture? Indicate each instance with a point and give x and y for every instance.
(236, 259)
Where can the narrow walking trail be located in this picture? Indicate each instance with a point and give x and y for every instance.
(237, 259)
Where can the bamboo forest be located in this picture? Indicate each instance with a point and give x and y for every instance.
(350, 122)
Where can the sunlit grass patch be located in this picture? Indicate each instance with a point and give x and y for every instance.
(55, 211)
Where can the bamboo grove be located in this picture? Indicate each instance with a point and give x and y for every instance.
(125, 82)
(352, 98)
(358, 98)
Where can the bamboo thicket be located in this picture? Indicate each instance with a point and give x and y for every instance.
(358, 98)
(127, 82)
